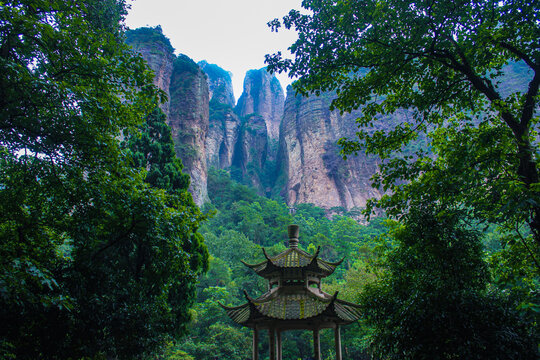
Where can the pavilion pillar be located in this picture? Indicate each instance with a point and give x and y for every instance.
(272, 336)
(337, 341)
(255, 349)
(316, 345)
(279, 347)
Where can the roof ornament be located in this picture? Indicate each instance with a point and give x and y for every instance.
(266, 254)
(294, 231)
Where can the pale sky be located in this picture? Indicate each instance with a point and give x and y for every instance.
(230, 33)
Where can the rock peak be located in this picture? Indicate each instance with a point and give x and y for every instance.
(263, 95)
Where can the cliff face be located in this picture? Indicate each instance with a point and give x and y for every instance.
(219, 84)
(224, 124)
(312, 169)
(251, 151)
(157, 51)
(189, 121)
(209, 131)
(262, 95)
(187, 108)
(222, 136)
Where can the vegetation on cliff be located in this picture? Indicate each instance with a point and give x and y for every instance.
(150, 36)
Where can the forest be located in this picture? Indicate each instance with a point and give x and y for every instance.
(105, 255)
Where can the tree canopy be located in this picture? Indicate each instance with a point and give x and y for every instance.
(445, 63)
(431, 301)
(99, 256)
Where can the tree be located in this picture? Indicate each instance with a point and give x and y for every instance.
(95, 261)
(430, 300)
(152, 149)
(445, 63)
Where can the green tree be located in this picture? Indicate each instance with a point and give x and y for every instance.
(95, 261)
(152, 149)
(430, 300)
(444, 62)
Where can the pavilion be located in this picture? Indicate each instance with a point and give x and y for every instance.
(294, 300)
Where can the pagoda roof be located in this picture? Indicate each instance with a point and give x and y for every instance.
(304, 305)
(294, 259)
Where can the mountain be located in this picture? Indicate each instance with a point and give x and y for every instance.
(187, 108)
(277, 146)
(311, 169)
(282, 147)
(224, 124)
(262, 95)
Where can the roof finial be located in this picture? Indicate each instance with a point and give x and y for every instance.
(293, 236)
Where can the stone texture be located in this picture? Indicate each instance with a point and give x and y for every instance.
(219, 84)
(222, 137)
(262, 95)
(312, 169)
(251, 151)
(156, 50)
(224, 124)
(189, 121)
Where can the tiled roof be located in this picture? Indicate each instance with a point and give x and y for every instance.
(238, 314)
(294, 307)
(293, 258)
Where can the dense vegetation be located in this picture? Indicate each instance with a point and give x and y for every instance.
(242, 224)
(101, 246)
(425, 282)
(98, 244)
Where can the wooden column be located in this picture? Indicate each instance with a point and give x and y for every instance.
(316, 345)
(337, 341)
(255, 350)
(279, 347)
(272, 336)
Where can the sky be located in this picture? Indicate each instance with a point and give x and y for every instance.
(230, 33)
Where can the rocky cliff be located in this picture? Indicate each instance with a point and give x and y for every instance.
(222, 136)
(209, 131)
(224, 126)
(189, 121)
(219, 84)
(251, 151)
(187, 108)
(262, 95)
(158, 52)
(312, 171)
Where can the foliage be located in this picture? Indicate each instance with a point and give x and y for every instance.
(431, 299)
(184, 63)
(467, 73)
(153, 150)
(148, 35)
(445, 62)
(215, 72)
(243, 222)
(96, 262)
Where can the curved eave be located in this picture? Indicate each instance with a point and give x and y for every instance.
(312, 263)
(255, 266)
(341, 311)
(347, 311)
(238, 314)
(325, 267)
